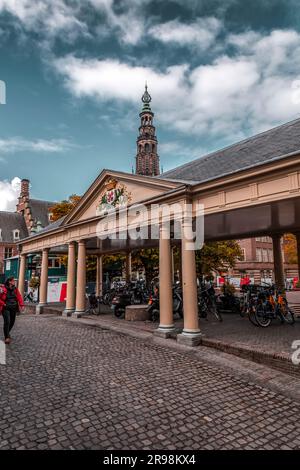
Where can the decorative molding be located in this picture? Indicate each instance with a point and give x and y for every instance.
(293, 182)
(254, 191)
(222, 199)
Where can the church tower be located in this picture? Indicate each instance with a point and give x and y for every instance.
(147, 160)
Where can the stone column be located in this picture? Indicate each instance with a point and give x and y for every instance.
(180, 264)
(128, 267)
(166, 324)
(278, 261)
(22, 272)
(99, 276)
(71, 279)
(190, 335)
(298, 252)
(173, 264)
(81, 280)
(43, 281)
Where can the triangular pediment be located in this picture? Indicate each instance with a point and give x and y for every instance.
(117, 189)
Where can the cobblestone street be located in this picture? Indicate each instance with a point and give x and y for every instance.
(71, 386)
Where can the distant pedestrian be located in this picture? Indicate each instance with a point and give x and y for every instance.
(11, 302)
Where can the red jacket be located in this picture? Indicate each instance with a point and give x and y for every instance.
(3, 294)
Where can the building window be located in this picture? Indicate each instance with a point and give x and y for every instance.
(8, 252)
(243, 255)
(54, 263)
(265, 255)
(271, 259)
(259, 255)
(0, 234)
(16, 234)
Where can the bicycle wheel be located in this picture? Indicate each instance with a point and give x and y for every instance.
(155, 315)
(252, 317)
(287, 314)
(243, 309)
(214, 310)
(262, 317)
(119, 312)
(202, 309)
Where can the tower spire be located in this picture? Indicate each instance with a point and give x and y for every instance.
(147, 159)
(146, 99)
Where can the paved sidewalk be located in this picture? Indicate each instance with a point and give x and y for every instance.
(277, 338)
(235, 335)
(70, 386)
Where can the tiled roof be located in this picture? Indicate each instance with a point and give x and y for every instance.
(50, 227)
(268, 146)
(10, 221)
(40, 211)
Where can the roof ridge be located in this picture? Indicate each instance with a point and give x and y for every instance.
(11, 212)
(41, 200)
(228, 147)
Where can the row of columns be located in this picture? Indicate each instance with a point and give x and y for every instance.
(76, 282)
(76, 279)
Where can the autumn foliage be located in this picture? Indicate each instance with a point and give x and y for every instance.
(290, 248)
(60, 209)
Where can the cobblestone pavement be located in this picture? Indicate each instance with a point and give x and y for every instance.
(275, 339)
(70, 386)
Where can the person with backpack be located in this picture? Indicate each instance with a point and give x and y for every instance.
(11, 302)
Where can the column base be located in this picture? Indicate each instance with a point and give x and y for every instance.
(189, 339)
(39, 308)
(165, 332)
(67, 312)
(77, 314)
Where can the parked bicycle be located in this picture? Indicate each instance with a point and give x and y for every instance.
(207, 303)
(271, 305)
(227, 301)
(93, 304)
(264, 304)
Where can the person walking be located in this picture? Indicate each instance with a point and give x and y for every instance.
(11, 302)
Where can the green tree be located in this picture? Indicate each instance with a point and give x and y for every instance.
(147, 259)
(217, 257)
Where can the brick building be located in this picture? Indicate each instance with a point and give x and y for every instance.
(258, 261)
(31, 216)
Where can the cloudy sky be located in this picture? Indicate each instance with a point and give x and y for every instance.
(217, 70)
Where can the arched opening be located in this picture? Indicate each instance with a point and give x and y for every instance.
(147, 148)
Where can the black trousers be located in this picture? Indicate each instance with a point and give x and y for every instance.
(9, 318)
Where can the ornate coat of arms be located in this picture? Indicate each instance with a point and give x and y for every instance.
(114, 195)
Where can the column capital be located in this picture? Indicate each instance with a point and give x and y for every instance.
(276, 236)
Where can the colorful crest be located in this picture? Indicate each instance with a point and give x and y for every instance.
(114, 195)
